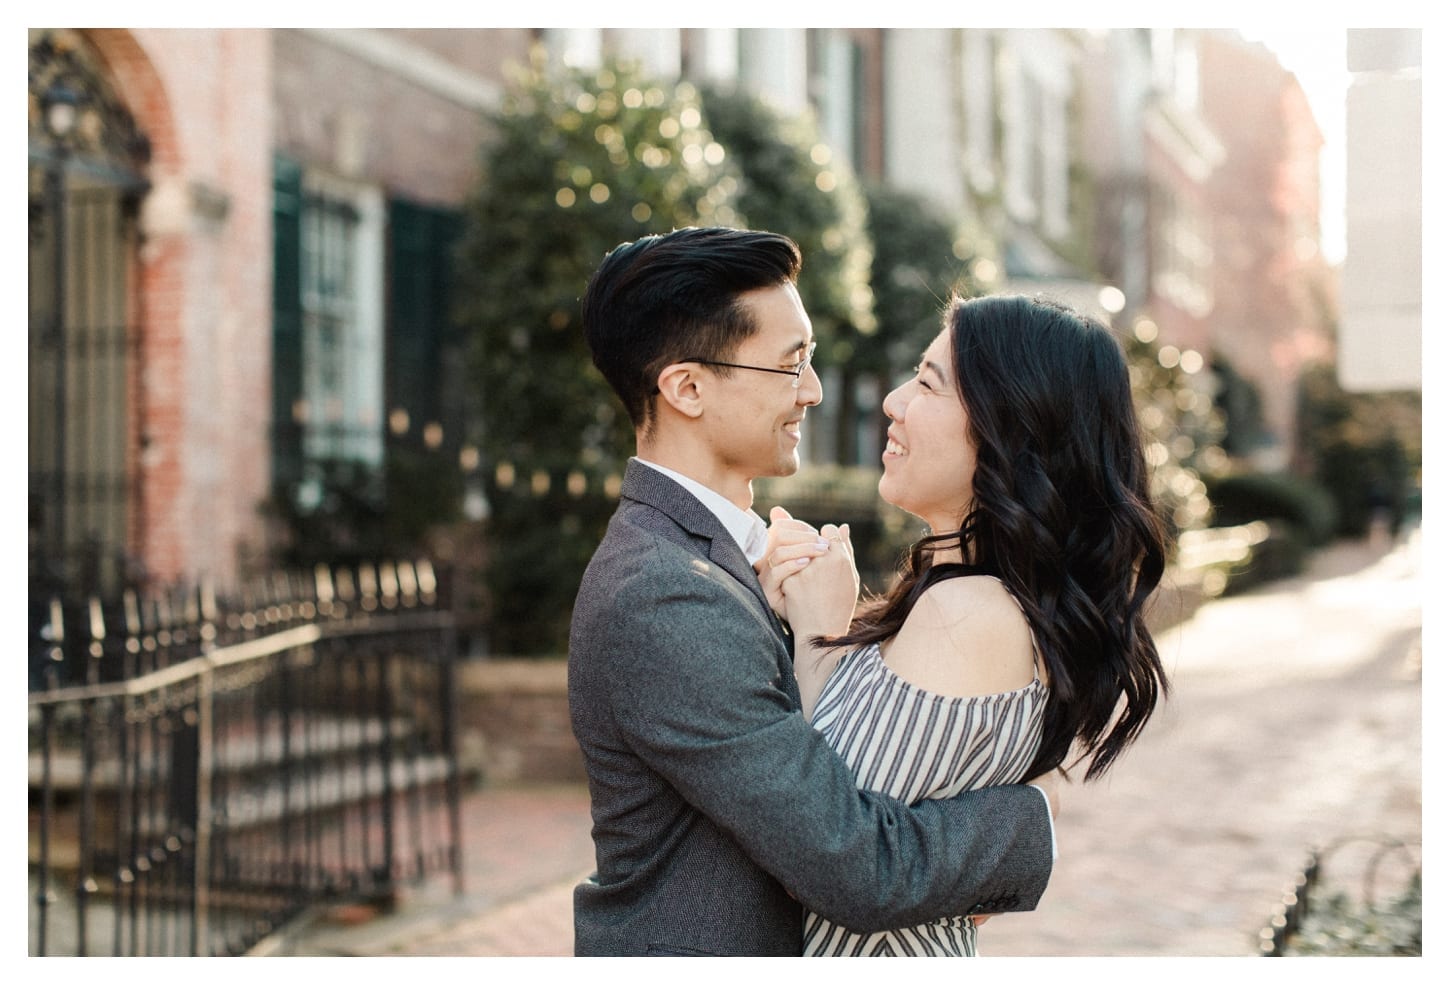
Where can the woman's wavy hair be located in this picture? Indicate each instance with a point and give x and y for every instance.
(1061, 513)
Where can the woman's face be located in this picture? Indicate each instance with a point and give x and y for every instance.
(930, 458)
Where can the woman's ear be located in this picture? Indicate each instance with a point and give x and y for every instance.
(679, 385)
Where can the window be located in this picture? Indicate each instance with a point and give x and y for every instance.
(328, 340)
(1182, 254)
(979, 91)
(341, 400)
(840, 95)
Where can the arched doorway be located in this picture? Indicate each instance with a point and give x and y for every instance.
(86, 180)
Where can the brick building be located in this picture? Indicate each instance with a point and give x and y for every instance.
(246, 216)
(1273, 304)
(148, 416)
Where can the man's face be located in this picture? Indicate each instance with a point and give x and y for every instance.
(754, 419)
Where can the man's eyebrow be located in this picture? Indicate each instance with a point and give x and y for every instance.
(803, 344)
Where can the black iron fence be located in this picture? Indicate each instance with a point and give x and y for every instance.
(204, 769)
(1324, 914)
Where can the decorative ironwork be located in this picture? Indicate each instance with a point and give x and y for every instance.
(85, 183)
(62, 69)
(214, 767)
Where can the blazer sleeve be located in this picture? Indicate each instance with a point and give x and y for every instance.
(695, 689)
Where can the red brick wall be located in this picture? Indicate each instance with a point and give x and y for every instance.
(202, 405)
(215, 105)
(514, 721)
(338, 111)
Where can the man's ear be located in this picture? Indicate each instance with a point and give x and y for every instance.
(679, 385)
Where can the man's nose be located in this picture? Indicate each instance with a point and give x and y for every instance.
(808, 394)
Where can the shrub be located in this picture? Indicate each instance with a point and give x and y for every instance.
(1338, 926)
(792, 183)
(1247, 497)
(1364, 448)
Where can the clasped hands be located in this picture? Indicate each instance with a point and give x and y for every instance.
(809, 575)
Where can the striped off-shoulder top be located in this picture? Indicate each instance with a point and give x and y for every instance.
(912, 744)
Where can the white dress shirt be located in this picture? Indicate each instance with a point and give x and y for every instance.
(745, 527)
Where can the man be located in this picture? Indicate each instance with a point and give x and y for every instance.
(718, 811)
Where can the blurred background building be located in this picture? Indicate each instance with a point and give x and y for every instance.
(241, 246)
(1380, 341)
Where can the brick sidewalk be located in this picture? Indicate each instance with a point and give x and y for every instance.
(524, 848)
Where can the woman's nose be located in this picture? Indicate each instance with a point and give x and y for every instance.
(894, 402)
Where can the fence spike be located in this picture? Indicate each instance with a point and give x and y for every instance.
(208, 600)
(388, 584)
(131, 607)
(322, 578)
(407, 582)
(57, 643)
(346, 589)
(427, 581)
(98, 620)
(57, 622)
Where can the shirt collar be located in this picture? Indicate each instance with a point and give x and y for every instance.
(745, 527)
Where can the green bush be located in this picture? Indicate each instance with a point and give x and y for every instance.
(1365, 448)
(921, 258)
(580, 161)
(1247, 497)
(1338, 926)
(1181, 431)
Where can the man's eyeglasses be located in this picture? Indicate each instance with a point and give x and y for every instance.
(795, 370)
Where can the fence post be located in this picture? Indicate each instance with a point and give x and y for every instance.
(85, 880)
(201, 847)
(55, 654)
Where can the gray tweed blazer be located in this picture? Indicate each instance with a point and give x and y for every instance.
(718, 811)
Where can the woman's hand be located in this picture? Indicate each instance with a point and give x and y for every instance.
(820, 599)
(820, 595)
(790, 545)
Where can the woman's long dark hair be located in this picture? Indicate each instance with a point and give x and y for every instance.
(1061, 514)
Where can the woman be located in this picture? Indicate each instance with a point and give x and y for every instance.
(1015, 629)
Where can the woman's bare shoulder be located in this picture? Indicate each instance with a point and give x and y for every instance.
(965, 637)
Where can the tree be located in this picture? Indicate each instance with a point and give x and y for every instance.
(920, 261)
(581, 162)
(792, 183)
(1181, 427)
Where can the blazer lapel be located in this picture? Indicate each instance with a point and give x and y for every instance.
(658, 490)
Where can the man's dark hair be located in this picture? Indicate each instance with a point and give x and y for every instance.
(668, 297)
